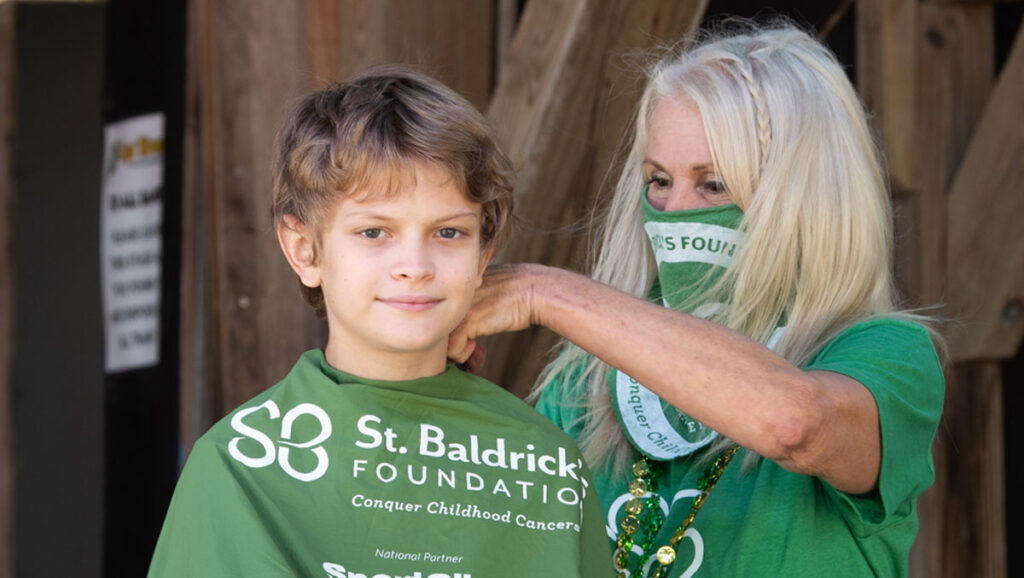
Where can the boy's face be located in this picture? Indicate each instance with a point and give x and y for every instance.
(398, 273)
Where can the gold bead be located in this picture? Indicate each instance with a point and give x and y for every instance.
(666, 555)
(640, 469)
(634, 506)
(638, 487)
(698, 502)
(630, 524)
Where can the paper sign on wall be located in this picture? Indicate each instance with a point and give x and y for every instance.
(131, 245)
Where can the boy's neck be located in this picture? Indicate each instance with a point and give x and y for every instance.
(386, 366)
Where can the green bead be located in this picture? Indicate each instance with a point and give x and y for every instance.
(655, 521)
(625, 542)
(652, 526)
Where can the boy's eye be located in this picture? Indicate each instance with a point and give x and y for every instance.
(449, 233)
(371, 233)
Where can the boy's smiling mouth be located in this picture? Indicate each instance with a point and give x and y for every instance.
(411, 302)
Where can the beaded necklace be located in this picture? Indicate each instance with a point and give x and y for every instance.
(644, 512)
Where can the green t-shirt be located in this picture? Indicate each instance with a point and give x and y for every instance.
(326, 474)
(771, 522)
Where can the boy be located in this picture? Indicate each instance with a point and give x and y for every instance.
(375, 457)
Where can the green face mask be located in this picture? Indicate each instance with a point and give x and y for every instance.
(692, 248)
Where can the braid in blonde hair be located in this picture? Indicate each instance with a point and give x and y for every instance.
(763, 123)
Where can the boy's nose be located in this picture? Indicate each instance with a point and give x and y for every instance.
(413, 263)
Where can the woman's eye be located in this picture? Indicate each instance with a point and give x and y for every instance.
(449, 233)
(371, 233)
(659, 182)
(715, 186)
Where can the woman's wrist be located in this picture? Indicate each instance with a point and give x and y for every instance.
(527, 277)
(544, 288)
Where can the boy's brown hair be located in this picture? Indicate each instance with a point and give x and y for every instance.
(368, 133)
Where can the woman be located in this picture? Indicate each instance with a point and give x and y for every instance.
(743, 278)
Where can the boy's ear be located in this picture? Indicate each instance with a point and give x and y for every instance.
(485, 259)
(298, 246)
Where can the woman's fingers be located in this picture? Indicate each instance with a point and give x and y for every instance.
(499, 305)
(475, 362)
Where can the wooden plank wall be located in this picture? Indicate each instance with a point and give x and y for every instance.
(926, 121)
(449, 38)
(565, 95)
(985, 275)
(985, 236)
(246, 61)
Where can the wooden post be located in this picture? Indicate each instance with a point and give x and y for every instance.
(925, 121)
(564, 98)
(986, 239)
(955, 69)
(886, 59)
(194, 405)
(258, 325)
(974, 531)
(886, 55)
(986, 259)
(7, 131)
(506, 20)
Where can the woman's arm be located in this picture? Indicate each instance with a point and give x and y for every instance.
(809, 422)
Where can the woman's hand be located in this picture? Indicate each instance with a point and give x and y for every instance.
(503, 302)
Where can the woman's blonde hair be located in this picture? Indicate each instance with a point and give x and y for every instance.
(788, 135)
